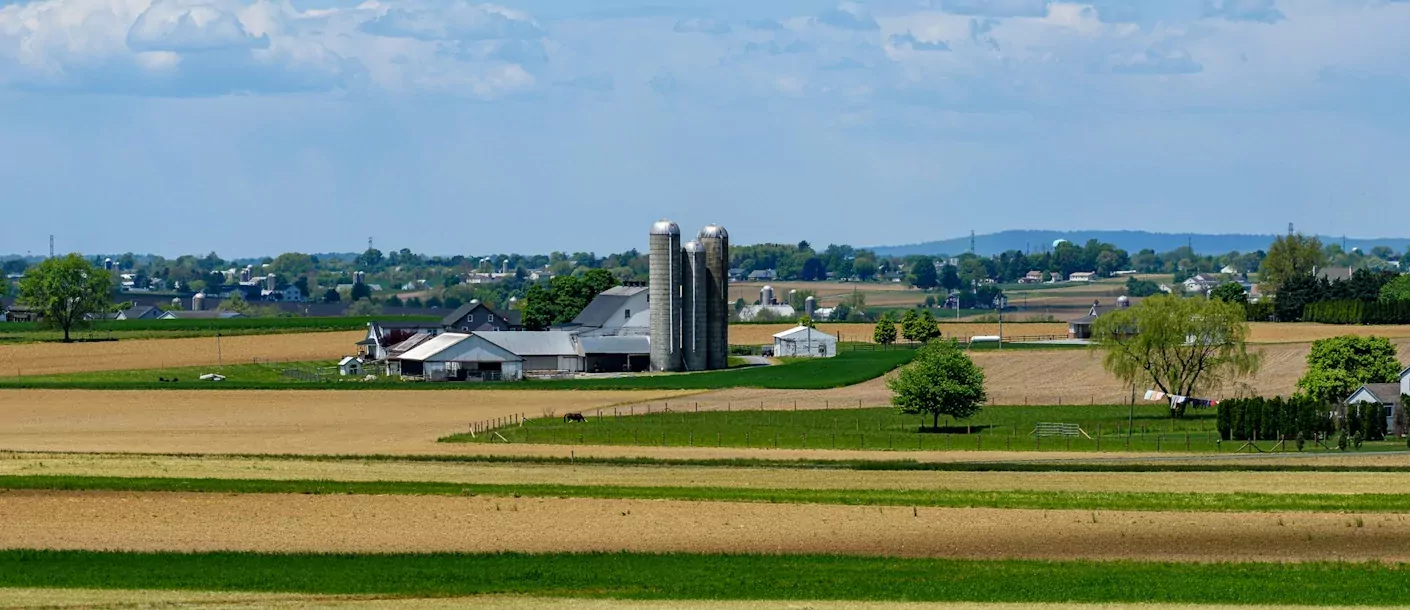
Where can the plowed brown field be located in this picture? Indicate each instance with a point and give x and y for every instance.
(116, 465)
(1259, 332)
(208, 522)
(52, 358)
(264, 421)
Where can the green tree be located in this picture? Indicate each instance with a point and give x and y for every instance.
(369, 260)
(1182, 346)
(885, 331)
(1229, 292)
(864, 267)
(919, 326)
(1397, 289)
(359, 292)
(1336, 366)
(807, 322)
(1290, 256)
(942, 380)
(65, 289)
(292, 264)
(1141, 288)
(950, 278)
(364, 308)
(331, 296)
(923, 274)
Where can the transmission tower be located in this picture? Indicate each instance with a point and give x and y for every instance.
(51, 245)
(971, 241)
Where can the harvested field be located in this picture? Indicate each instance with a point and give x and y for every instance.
(209, 522)
(98, 598)
(761, 334)
(262, 421)
(53, 358)
(1307, 332)
(118, 465)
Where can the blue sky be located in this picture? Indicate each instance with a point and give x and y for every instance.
(254, 127)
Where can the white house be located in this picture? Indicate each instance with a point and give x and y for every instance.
(1202, 283)
(1083, 276)
(802, 341)
(1388, 395)
(620, 310)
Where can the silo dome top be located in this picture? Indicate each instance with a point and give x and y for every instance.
(693, 247)
(766, 287)
(665, 227)
(713, 231)
(1123, 299)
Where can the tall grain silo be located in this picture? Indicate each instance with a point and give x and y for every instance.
(665, 293)
(766, 295)
(810, 306)
(198, 301)
(694, 315)
(271, 282)
(715, 240)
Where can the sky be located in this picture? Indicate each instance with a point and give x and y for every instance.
(257, 127)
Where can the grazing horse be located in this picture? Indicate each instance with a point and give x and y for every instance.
(572, 417)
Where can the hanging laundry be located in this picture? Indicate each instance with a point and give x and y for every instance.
(1158, 396)
(1149, 394)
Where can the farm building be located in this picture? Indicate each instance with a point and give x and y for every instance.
(350, 366)
(620, 310)
(617, 354)
(1081, 328)
(458, 357)
(383, 335)
(1083, 276)
(1388, 395)
(804, 342)
(777, 312)
(542, 351)
(200, 315)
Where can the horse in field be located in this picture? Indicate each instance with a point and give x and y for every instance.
(574, 417)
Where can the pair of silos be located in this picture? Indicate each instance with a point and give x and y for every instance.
(689, 286)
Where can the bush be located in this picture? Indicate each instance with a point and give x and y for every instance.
(1357, 312)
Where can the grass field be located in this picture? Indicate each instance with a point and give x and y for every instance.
(848, 368)
(691, 576)
(24, 360)
(1001, 428)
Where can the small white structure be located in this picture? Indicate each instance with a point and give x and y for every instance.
(1083, 276)
(804, 342)
(350, 366)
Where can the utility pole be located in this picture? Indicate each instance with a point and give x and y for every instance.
(369, 243)
(1290, 229)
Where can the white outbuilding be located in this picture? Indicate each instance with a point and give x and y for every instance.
(804, 342)
(350, 366)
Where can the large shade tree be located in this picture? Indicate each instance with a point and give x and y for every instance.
(1183, 347)
(1289, 257)
(66, 290)
(941, 380)
(1336, 366)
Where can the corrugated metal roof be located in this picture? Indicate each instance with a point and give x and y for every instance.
(410, 343)
(606, 305)
(616, 345)
(432, 346)
(535, 343)
(798, 330)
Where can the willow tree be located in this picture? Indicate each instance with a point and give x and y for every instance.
(1180, 346)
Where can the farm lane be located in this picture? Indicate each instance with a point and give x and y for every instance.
(209, 522)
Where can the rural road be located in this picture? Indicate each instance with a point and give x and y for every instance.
(756, 360)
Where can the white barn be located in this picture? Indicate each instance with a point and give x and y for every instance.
(804, 342)
(459, 357)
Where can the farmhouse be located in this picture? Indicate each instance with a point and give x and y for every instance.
(1387, 395)
(139, 312)
(383, 335)
(1033, 277)
(804, 342)
(476, 316)
(1202, 282)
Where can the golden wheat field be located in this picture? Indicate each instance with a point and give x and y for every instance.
(176, 521)
(52, 358)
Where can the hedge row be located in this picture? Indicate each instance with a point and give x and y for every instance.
(1357, 312)
(1242, 419)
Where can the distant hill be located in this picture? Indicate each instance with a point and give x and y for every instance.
(1131, 241)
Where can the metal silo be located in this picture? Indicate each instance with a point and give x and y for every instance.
(665, 294)
(810, 305)
(198, 302)
(766, 295)
(715, 241)
(694, 318)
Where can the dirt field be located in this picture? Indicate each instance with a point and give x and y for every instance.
(89, 598)
(762, 334)
(288, 469)
(294, 421)
(51, 358)
(1287, 332)
(209, 522)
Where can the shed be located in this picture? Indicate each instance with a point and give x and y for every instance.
(350, 366)
(804, 342)
(542, 351)
(1081, 328)
(1388, 395)
(460, 357)
(617, 354)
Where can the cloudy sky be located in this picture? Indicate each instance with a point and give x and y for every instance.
(253, 127)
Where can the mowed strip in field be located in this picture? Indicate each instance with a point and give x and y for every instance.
(171, 521)
(100, 598)
(120, 465)
(1259, 332)
(55, 358)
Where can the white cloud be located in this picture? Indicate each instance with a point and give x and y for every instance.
(454, 20)
(1156, 62)
(848, 16)
(996, 8)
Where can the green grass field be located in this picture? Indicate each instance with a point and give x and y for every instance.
(681, 576)
(848, 368)
(16, 332)
(1008, 499)
(1007, 428)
